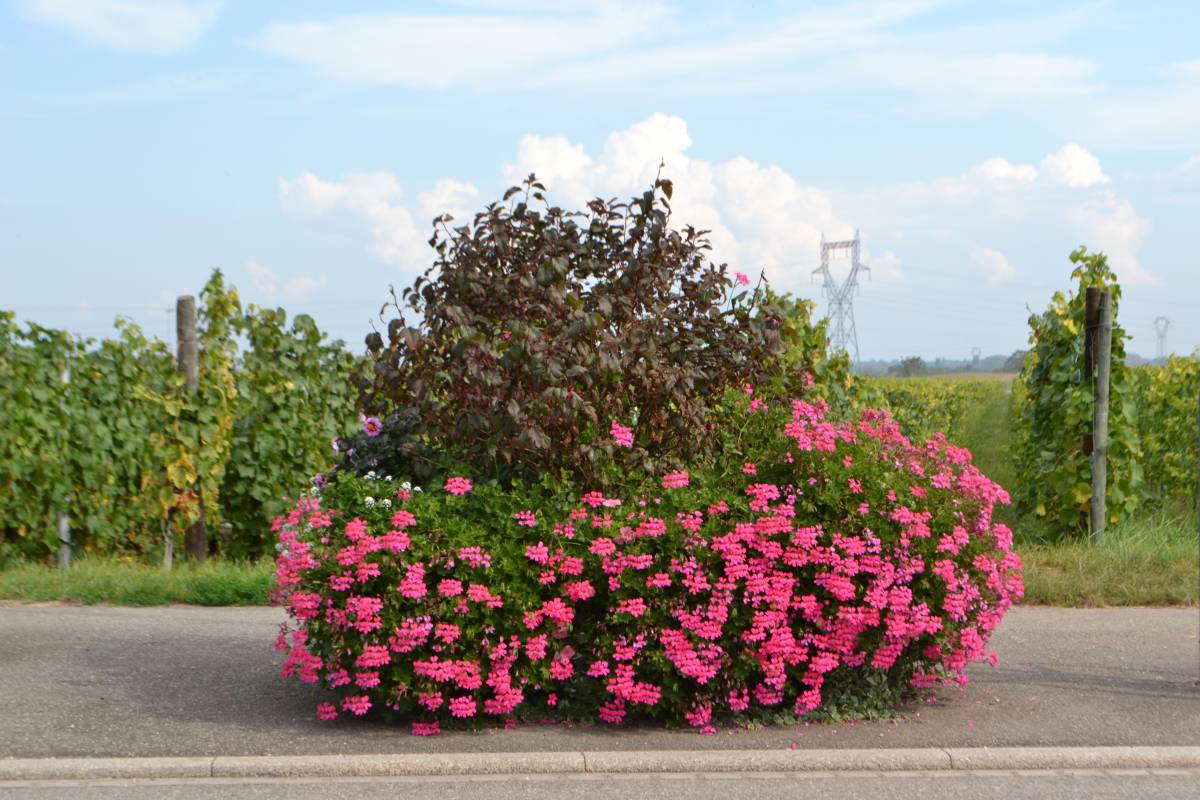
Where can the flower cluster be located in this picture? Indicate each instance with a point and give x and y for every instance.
(844, 548)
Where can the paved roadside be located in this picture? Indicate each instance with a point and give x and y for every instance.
(1093, 785)
(184, 681)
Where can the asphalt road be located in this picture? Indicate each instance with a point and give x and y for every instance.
(99, 681)
(1152, 785)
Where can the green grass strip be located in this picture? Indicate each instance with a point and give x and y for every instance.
(91, 581)
(1151, 561)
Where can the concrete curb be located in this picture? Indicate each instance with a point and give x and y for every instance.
(616, 761)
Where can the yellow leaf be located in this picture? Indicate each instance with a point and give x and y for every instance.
(1041, 510)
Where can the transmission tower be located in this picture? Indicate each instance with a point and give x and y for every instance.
(1160, 327)
(840, 297)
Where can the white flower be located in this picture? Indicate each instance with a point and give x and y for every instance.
(406, 486)
(371, 475)
(416, 488)
(386, 503)
(370, 501)
(388, 479)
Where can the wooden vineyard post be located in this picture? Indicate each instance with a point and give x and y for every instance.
(195, 540)
(64, 519)
(1091, 319)
(1102, 357)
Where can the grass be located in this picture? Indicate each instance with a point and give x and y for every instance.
(1146, 562)
(93, 580)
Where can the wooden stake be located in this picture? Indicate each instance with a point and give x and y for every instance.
(1099, 457)
(195, 540)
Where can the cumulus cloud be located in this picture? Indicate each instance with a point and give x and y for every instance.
(1001, 169)
(1113, 226)
(761, 218)
(1072, 165)
(375, 196)
(994, 265)
(139, 26)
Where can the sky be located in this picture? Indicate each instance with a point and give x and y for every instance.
(304, 147)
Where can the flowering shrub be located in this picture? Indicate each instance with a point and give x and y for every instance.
(825, 557)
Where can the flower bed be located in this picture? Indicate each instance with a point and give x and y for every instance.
(829, 556)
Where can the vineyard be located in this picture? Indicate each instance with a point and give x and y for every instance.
(103, 431)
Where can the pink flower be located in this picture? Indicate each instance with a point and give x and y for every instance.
(326, 711)
(634, 607)
(579, 590)
(622, 435)
(538, 553)
(457, 485)
(463, 707)
(742, 278)
(603, 546)
(357, 704)
(449, 587)
(526, 518)
(372, 426)
(675, 480)
(426, 729)
(474, 556)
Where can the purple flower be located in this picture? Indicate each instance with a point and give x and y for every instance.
(319, 481)
(335, 444)
(372, 426)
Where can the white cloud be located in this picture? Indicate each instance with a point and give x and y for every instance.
(973, 82)
(439, 51)
(819, 47)
(762, 219)
(295, 289)
(1001, 169)
(1114, 227)
(457, 198)
(759, 217)
(994, 265)
(140, 26)
(375, 196)
(1007, 204)
(1072, 165)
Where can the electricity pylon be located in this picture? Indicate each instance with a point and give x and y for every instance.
(1160, 327)
(840, 297)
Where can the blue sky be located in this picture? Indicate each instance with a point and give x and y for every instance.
(303, 147)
